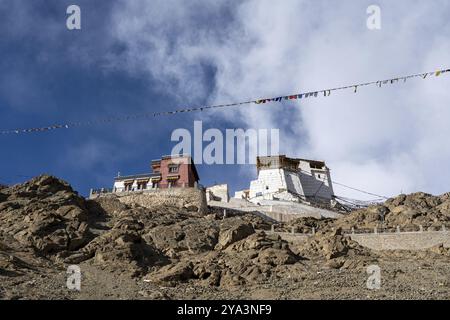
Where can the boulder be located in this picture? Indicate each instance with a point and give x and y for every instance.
(233, 231)
(172, 273)
(334, 247)
(331, 246)
(192, 236)
(276, 257)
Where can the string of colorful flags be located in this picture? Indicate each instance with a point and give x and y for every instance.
(298, 96)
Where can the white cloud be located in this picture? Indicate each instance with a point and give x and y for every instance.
(384, 140)
(90, 154)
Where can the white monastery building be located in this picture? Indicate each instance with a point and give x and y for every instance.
(288, 179)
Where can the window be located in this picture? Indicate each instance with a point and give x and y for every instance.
(173, 168)
(267, 187)
(170, 184)
(154, 185)
(128, 186)
(142, 185)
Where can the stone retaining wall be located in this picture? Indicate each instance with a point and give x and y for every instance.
(403, 240)
(386, 241)
(277, 210)
(190, 198)
(291, 237)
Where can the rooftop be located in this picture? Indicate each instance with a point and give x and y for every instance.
(281, 161)
(137, 176)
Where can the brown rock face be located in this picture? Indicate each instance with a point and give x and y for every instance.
(230, 232)
(337, 250)
(276, 257)
(45, 224)
(46, 214)
(193, 235)
(171, 245)
(173, 273)
(407, 211)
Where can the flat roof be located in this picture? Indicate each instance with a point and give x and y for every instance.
(288, 158)
(137, 176)
(282, 161)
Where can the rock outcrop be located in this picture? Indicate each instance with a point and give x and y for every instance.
(45, 226)
(406, 211)
(45, 214)
(169, 245)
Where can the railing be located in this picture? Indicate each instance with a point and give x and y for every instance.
(349, 232)
(99, 191)
(119, 190)
(443, 228)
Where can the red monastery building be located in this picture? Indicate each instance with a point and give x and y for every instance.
(176, 171)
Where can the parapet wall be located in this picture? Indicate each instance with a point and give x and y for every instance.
(403, 240)
(385, 241)
(192, 199)
(217, 193)
(280, 211)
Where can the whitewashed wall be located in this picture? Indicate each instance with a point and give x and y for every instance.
(293, 182)
(120, 185)
(315, 186)
(269, 181)
(218, 191)
(239, 195)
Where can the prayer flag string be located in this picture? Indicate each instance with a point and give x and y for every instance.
(298, 96)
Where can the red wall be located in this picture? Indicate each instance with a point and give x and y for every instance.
(184, 171)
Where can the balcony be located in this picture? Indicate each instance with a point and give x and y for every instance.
(102, 191)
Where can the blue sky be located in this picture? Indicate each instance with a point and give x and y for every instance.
(144, 56)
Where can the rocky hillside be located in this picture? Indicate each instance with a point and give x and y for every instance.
(45, 226)
(408, 212)
(46, 218)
